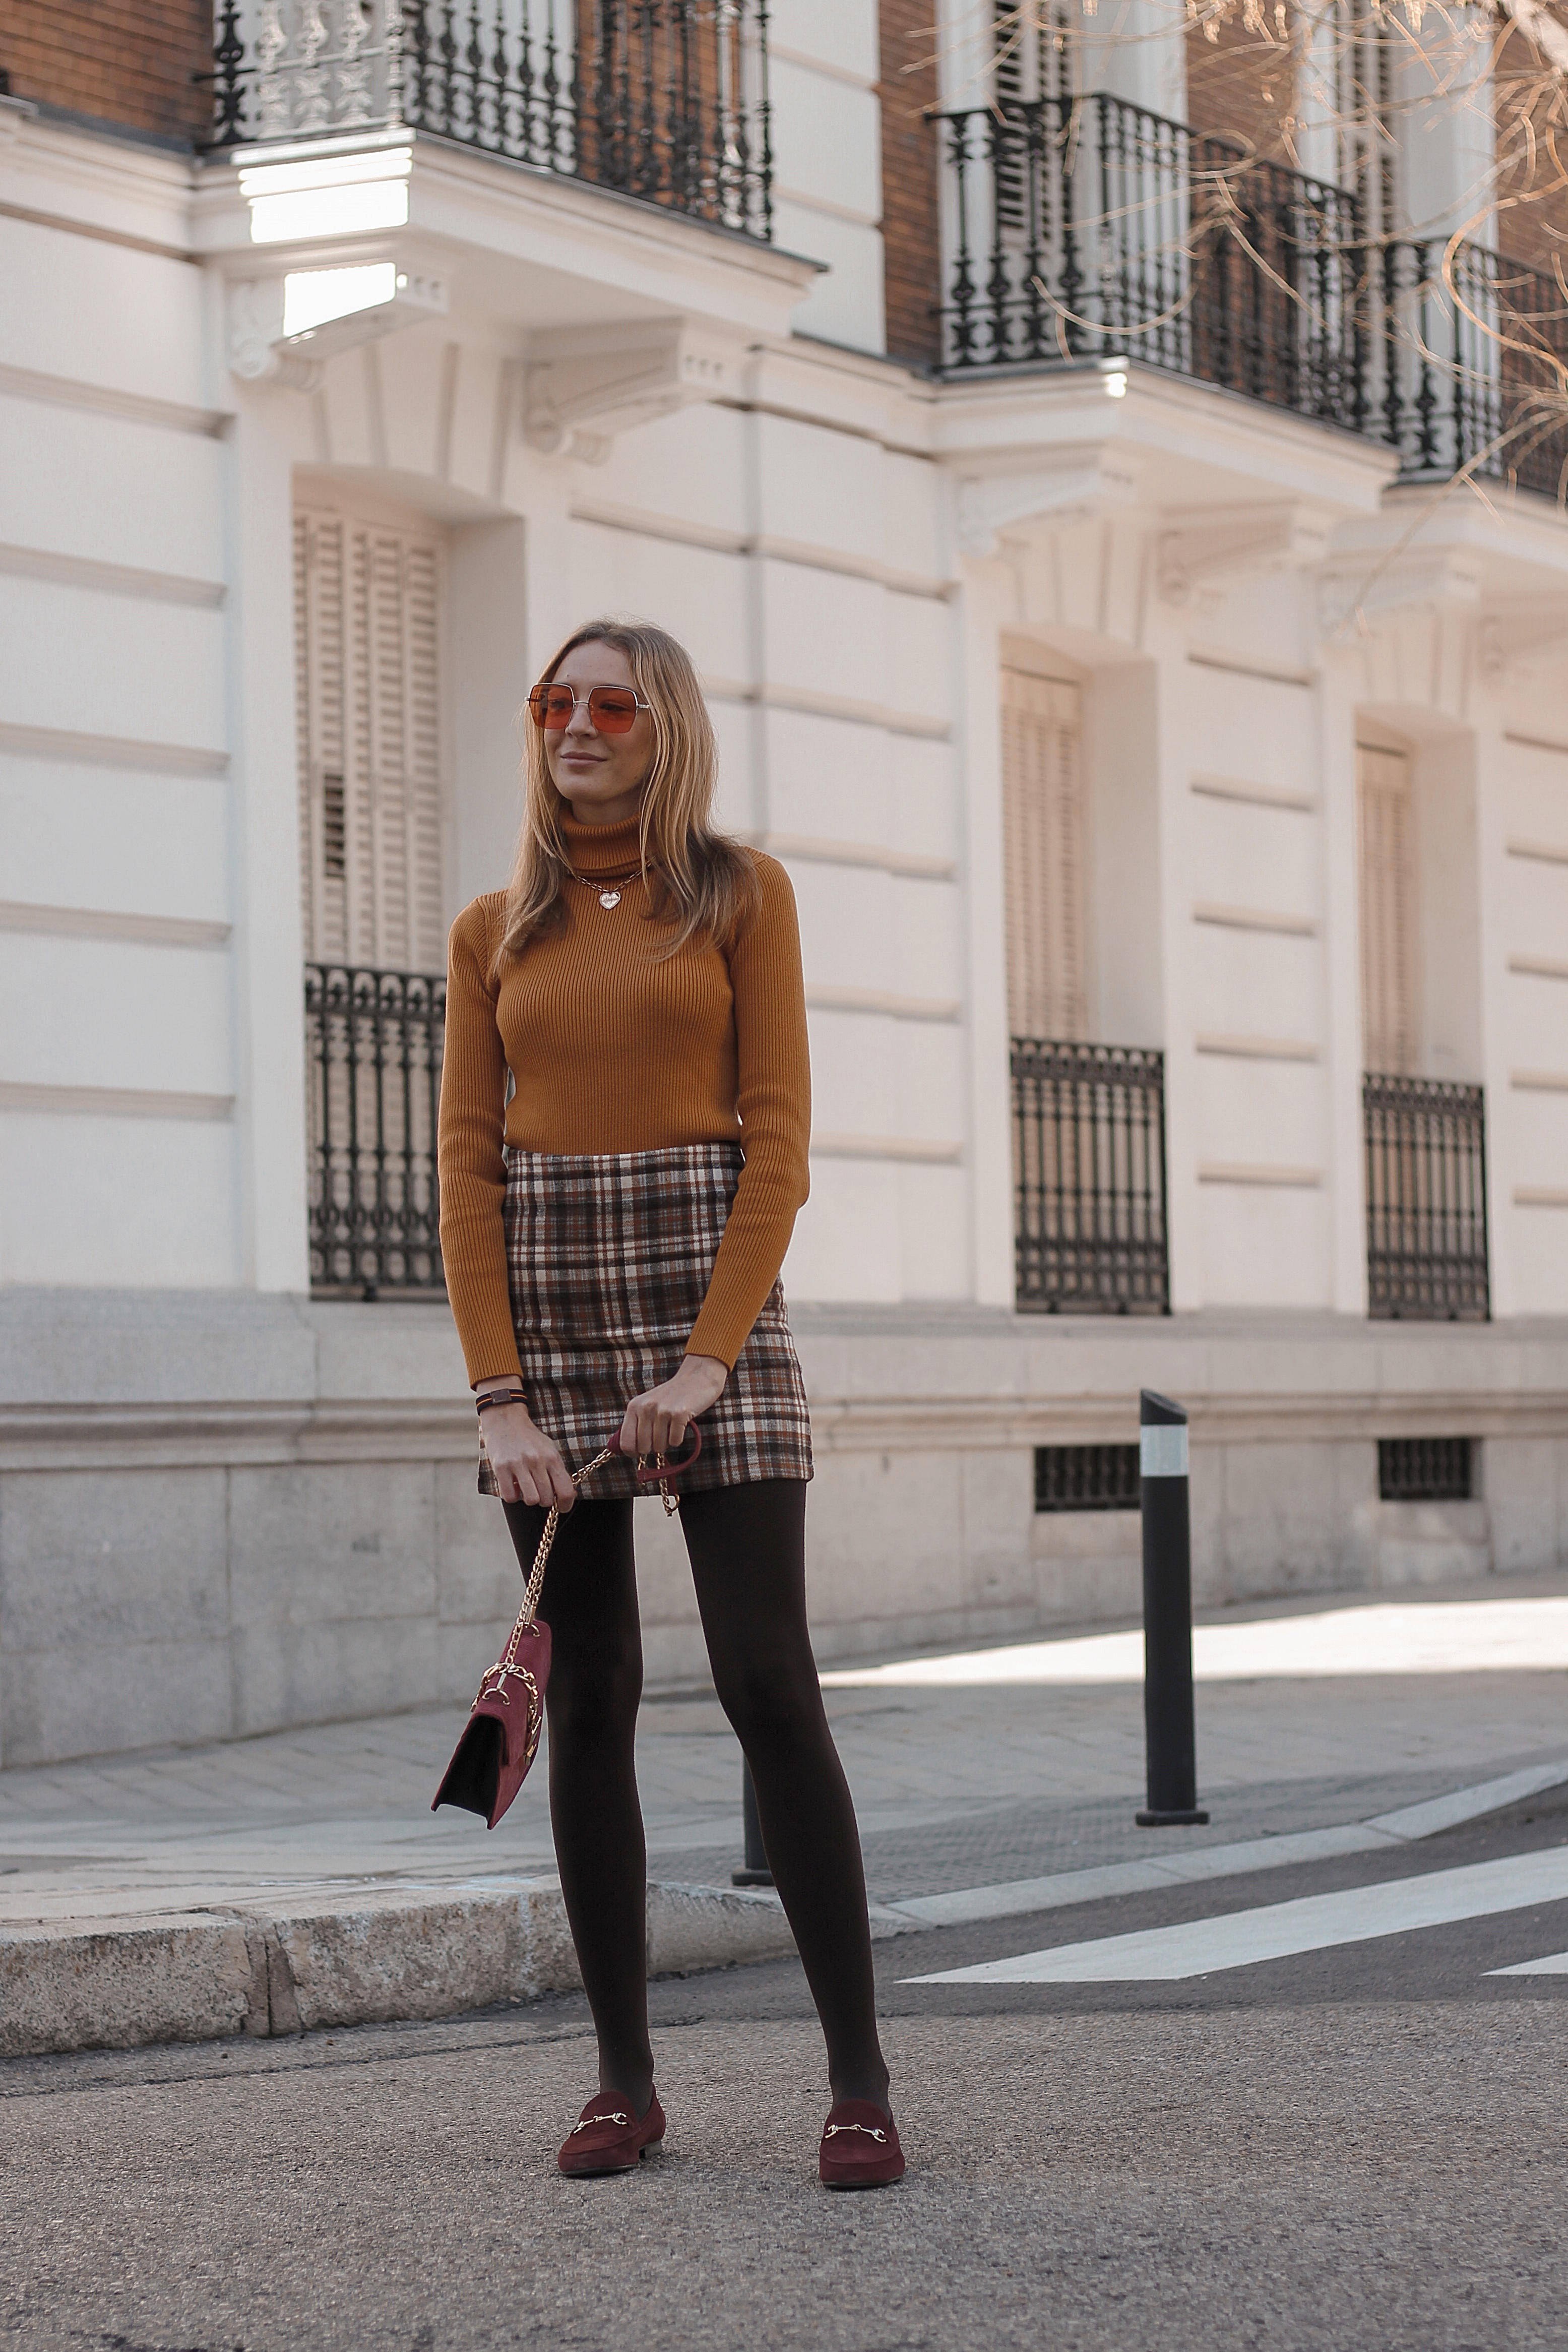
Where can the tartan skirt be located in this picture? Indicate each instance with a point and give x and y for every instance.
(608, 1257)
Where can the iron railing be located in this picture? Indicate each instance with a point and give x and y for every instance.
(373, 1044)
(1426, 1200)
(1089, 1166)
(1468, 365)
(665, 100)
(1084, 228)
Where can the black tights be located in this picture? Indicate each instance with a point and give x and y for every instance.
(748, 1552)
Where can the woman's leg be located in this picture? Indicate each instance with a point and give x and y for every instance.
(747, 1548)
(589, 1603)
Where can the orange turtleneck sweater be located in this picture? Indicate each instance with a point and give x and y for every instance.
(613, 1049)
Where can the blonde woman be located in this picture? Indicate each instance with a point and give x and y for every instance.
(612, 1236)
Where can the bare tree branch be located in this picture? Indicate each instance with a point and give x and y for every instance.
(1539, 25)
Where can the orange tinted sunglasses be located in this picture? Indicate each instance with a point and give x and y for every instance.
(612, 709)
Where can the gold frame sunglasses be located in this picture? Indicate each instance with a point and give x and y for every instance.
(612, 709)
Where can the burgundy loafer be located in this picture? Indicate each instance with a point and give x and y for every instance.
(610, 2136)
(860, 2147)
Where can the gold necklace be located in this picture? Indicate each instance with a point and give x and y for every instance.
(608, 885)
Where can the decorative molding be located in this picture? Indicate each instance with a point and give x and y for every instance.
(1239, 664)
(1545, 853)
(1541, 1196)
(110, 579)
(1513, 631)
(260, 351)
(1260, 1049)
(1256, 919)
(1375, 584)
(1079, 485)
(114, 1102)
(584, 385)
(1509, 735)
(111, 752)
(825, 999)
(1234, 1172)
(95, 923)
(1539, 967)
(1206, 555)
(131, 408)
(1232, 788)
(810, 704)
(1539, 1082)
(886, 1147)
(709, 540)
(905, 863)
(93, 229)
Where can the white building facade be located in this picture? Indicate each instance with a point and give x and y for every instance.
(1171, 764)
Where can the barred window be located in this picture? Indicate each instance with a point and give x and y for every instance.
(1085, 1478)
(1424, 1469)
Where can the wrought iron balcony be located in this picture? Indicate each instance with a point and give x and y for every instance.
(1088, 228)
(662, 99)
(373, 1046)
(1089, 1171)
(1426, 1201)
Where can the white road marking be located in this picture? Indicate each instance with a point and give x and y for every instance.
(1019, 1895)
(1313, 1922)
(1555, 1964)
(1394, 1637)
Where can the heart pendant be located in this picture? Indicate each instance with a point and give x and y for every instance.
(610, 897)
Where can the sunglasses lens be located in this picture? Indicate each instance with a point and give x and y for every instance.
(613, 710)
(552, 706)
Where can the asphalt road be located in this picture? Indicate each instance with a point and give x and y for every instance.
(1359, 2145)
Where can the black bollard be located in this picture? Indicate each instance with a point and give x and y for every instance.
(1168, 1615)
(757, 1872)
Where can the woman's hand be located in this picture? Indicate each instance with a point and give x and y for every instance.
(527, 1463)
(656, 1421)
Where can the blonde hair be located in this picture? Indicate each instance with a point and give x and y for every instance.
(687, 863)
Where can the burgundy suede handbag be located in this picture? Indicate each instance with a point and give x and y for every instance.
(501, 1738)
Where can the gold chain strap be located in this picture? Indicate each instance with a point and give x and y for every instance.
(506, 1666)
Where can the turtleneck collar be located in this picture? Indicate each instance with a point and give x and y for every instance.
(601, 849)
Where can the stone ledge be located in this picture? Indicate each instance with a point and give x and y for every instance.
(359, 1959)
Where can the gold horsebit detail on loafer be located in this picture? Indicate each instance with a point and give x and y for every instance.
(870, 2130)
(587, 2123)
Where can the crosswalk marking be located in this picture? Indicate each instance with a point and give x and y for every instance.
(1555, 1964)
(1275, 1931)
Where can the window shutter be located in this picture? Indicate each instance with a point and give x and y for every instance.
(1044, 848)
(1387, 912)
(367, 625)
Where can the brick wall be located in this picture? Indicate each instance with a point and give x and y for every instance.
(1241, 86)
(1533, 156)
(124, 61)
(911, 250)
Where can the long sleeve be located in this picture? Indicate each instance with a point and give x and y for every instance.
(473, 1173)
(774, 1098)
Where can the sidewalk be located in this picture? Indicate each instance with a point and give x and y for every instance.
(301, 1855)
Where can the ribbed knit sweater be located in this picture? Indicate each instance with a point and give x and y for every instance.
(612, 1048)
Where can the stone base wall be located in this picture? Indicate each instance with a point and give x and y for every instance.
(223, 1517)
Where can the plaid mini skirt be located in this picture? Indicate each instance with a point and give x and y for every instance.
(608, 1257)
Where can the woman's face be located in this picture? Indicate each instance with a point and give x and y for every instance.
(599, 776)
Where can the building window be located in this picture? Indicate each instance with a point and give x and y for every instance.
(1389, 1009)
(1086, 1478)
(1042, 797)
(368, 644)
(1424, 1469)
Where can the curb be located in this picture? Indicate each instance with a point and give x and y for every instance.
(204, 1975)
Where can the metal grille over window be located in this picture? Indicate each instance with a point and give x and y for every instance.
(374, 1043)
(1089, 1163)
(1424, 1469)
(665, 100)
(1426, 1200)
(1086, 1478)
